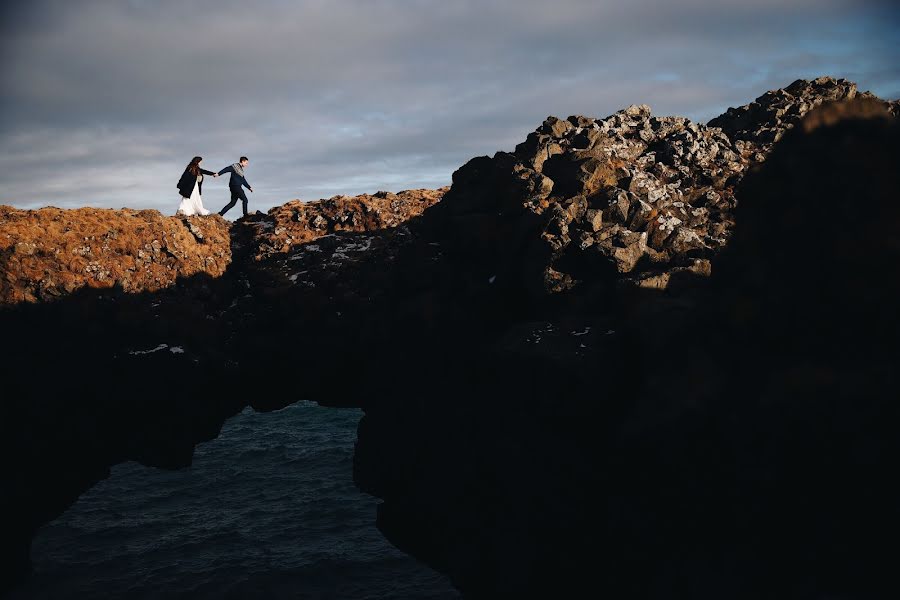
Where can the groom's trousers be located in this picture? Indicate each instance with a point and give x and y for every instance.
(235, 195)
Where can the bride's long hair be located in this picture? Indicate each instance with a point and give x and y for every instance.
(194, 165)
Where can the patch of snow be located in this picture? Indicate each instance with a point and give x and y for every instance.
(586, 330)
(492, 279)
(176, 350)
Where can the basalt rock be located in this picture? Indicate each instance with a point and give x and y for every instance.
(583, 204)
(756, 126)
(629, 198)
(758, 462)
(296, 223)
(49, 253)
(733, 439)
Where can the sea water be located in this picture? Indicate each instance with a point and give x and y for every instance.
(266, 510)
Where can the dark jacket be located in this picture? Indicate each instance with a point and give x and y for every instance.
(186, 183)
(236, 180)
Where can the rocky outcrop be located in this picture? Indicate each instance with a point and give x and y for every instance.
(718, 439)
(540, 417)
(756, 126)
(629, 198)
(144, 369)
(632, 198)
(135, 359)
(755, 466)
(296, 223)
(49, 253)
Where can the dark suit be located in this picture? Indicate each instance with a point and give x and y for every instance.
(187, 181)
(237, 192)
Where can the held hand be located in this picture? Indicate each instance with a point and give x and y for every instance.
(251, 190)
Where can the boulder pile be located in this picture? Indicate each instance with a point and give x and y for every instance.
(632, 198)
(642, 194)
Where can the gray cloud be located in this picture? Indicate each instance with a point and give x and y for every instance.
(103, 103)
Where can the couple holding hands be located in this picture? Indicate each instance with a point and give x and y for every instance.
(191, 183)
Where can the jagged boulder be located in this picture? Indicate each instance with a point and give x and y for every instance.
(51, 252)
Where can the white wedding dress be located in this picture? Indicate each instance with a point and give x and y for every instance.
(194, 204)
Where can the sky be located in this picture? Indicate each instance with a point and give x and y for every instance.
(104, 102)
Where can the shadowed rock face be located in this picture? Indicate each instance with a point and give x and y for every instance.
(135, 360)
(719, 439)
(755, 465)
(536, 423)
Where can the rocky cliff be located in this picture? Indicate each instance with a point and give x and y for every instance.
(49, 253)
(296, 223)
(637, 355)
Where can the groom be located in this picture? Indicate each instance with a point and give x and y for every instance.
(234, 184)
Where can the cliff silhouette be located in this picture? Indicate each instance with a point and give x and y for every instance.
(637, 355)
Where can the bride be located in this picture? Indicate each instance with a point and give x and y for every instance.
(190, 186)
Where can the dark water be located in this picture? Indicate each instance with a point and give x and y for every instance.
(267, 510)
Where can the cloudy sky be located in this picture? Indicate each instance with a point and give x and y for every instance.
(104, 102)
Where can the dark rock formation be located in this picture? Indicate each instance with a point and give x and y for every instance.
(721, 440)
(755, 466)
(139, 364)
(543, 415)
(756, 126)
(586, 202)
